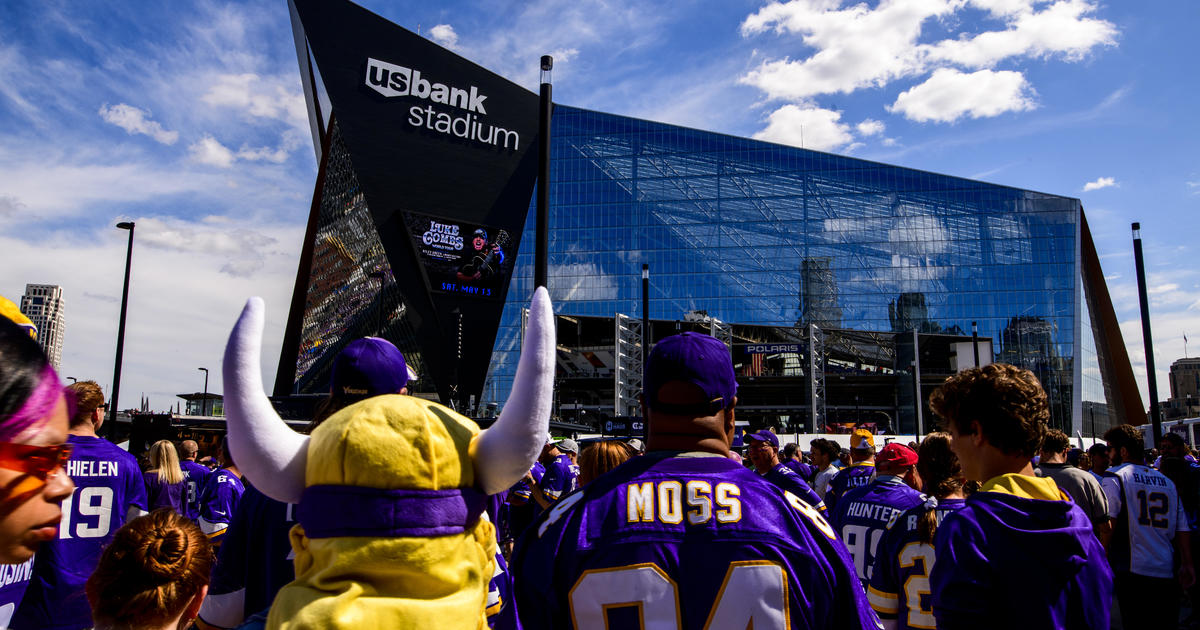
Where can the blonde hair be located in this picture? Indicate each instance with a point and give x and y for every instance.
(155, 565)
(165, 461)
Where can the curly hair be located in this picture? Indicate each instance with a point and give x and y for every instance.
(88, 398)
(1130, 437)
(601, 457)
(1055, 441)
(154, 566)
(1008, 402)
(940, 470)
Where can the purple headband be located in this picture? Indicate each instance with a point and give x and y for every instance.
(331, 511)
(36, 409)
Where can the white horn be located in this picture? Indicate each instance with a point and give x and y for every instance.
(506, 450)
(268, 452)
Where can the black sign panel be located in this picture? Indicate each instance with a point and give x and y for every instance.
(431, 134)
(462, 258)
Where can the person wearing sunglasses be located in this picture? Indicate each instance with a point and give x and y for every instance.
(33, 432)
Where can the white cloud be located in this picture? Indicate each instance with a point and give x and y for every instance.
(949, 95)
(869, 127)
(134, 120)
(807, 127)
(208, 150)
(271, 97)
(1103, 182)
(444, 34)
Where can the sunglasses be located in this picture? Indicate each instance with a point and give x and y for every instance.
(39, 461)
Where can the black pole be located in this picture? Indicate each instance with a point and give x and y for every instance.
(975, 341)
(1151, 379)
(204, 401)
(116, 390)
(645, 311)
(541, 253)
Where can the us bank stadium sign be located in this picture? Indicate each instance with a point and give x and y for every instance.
(448, 109)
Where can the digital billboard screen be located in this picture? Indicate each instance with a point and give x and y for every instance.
(460, 257)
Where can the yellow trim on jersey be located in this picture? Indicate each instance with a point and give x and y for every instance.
(1016, 484)
(862, 463)
(883, 603)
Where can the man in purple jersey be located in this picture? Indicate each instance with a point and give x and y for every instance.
(108, 491)
(864, 513)
(220, 498)
(793, 458)
(195, 476)
(683, 536)
(860, 470)
(1020, 554)
(763, 450)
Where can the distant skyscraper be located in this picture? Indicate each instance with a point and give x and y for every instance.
(43, 303)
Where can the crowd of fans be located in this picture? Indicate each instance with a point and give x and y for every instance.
(995, 522)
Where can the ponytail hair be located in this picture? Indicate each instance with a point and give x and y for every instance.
(154, 567)
(940, 470)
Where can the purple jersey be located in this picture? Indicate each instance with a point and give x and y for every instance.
(194, 476)
(14, 578)
(900, 581)
(806, 471)
(560, 479)
(685, 541)
(1010, 561)
(522, 508)
(863, 514)
(848, 478)
(785, 478)
(159, 494)
(108, 483)
(219, 503)
(254, 562)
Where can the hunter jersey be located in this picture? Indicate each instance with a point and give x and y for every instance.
(219, 502)
(848, 478)
(194, 477)
(685, 542)
(108, 483)
(1148, 513)
(900, 581)
(863, 514)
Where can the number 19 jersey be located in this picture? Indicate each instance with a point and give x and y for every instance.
(107, 483)
(1148, 513)
(685, 542)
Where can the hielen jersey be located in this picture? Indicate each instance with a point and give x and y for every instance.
(14, 579)
(1019, 555)
(899, 586)
(1148, 513)
(560, 479)
(168, 495)
(108, 483)
(670, 542)
(848, 478)
(195, 476)
(783, 476)
(254, 562)
(219, 502)
(863, 514)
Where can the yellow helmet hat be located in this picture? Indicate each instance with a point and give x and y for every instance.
(389, 491)
(10, 311)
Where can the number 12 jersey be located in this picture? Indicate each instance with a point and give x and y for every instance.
(1148, 513)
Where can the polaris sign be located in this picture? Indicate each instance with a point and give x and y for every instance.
(391, 80)
(772, 348)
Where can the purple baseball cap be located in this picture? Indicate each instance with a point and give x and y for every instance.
(765, 436)
(369, 367)
(693, 358)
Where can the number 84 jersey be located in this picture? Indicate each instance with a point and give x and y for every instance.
(669, 542)
(1147, 513)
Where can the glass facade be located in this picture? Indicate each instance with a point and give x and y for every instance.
(755, 233)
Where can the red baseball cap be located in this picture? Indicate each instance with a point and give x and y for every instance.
(896, 454)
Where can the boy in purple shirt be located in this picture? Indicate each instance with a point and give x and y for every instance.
(863, 514)
(860, 470)
(1020, 554)
(763, 448)
(195, 476)
(683, 536)
(220, 498)
(108, 491)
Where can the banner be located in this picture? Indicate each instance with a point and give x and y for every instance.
(462, 258)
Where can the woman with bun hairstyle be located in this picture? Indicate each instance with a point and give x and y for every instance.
(165, 483)
(906, 554)
(154, 574)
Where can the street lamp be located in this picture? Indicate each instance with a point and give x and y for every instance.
(204, 401)
(73, 379)
(112, 402)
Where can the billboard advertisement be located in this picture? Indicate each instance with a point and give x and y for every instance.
(462, 258)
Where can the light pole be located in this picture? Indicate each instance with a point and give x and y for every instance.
(112, 402)
(204, 401)
(1147, 339)
(73, 379)
(541, 246)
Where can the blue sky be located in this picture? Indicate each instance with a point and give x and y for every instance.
(187, 117)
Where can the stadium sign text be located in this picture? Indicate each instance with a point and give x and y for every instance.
(772, 348)
(391, 80)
